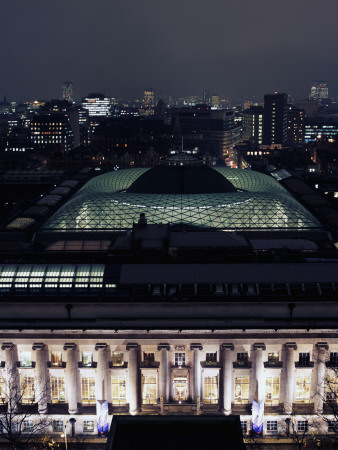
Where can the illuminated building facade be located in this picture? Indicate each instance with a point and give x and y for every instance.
(171, 319)
(149, 99)
(52, 129)
(296, 125)
(67, 91)
(319, 91)
(252, 125)
(97, 105)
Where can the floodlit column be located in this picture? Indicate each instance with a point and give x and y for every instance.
(322, 349)
(259, 372)
(133, 378)
(290, 376)
(12, 376)
(41, 377)
(164, 372)
(71, 376)
(102, 372)
(197, 371)
(227, 377)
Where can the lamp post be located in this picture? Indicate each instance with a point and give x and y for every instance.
(64, 434)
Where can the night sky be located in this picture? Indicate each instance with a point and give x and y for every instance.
(119, 47)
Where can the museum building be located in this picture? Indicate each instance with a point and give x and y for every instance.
(181, 289)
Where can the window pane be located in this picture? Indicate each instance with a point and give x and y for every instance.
(211, 390)
(119, 391)
(149, 390)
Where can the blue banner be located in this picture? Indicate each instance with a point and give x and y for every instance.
(102, 417)
(257, 416)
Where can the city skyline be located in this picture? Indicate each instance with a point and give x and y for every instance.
(238, 50)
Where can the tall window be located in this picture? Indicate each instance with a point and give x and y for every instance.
(273, 358)
(149, 390)
(25, 359)
(119, 395)
(58, 389)
(56, 359)
(334, 358)
(241, 390)
(27, 389)
(303, 388)
(179, 359)
(211, 390)
(118, 359)
(244, 426)
(332, 388)
(272, 390)
(88, 390)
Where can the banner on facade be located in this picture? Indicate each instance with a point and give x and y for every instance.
(102, 417)
(257, 416)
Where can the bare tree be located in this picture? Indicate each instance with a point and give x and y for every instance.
(21, 424)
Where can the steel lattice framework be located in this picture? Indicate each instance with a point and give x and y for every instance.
(259, 203)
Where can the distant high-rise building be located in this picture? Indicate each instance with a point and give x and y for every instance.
(319, 91)
(67, 91)
(253, 125)
(206, 97)
(149, 98)
(275, 119)
(97, 105)
(215, 100)
(52, 129)
(296, 124)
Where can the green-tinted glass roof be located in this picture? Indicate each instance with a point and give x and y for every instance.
(257, 202)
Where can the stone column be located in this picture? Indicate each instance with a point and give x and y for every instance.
(133, 378)
(164, 372)
(102, 372)
(227, 377)
(322, 349)
(41, 377)
(12, 377)
(71, 376)
(259, 372)
(197, 371)
(290, 376)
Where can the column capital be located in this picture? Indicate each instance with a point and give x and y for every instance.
(7, 346)
(227, 346)
(259, 346)
(69, 346)
(163, 346)
(290, 345)
(38, 346)
(132, 346)
(196, 346)
(322, 346)
(101, 346)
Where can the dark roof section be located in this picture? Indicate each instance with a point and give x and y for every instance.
(179, 433)
(181, 180)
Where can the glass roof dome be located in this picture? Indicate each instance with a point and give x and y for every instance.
(183, 193)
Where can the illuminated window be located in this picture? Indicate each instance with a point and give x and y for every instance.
(58, 389)
(25, 359)
(303, 388)
(273, 358)
(272, 390)
(211, 390)
(244, 426)
(27, 389)
(88, 390)
(118, 359)
(242, 359)
(149, 390)
(179, 359)
(332, 388)
(241, 390)
(87, 359)
(88, 425)
(119, 396)
(56, 359)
